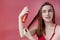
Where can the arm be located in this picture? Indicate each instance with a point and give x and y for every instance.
(20, 23)
(28, 34)
(20, 27)
(23, 31)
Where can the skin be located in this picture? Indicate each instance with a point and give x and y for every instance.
(47, 15)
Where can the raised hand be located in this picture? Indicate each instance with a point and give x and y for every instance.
(24, 14)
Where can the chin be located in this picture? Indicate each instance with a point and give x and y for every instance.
(48, 20)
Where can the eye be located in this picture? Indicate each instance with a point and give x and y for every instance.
(50, 10)
(44, 11)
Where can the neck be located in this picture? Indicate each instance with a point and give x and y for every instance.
(49, 24)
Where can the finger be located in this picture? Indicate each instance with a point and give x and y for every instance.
(23, 12)
(27, 30)
(26, 8)
(24, 32)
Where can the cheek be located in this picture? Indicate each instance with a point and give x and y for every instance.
(43, 15)
(51, 15)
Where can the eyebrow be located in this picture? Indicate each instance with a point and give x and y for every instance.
(48, 10)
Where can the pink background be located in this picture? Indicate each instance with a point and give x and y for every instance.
(9, 11)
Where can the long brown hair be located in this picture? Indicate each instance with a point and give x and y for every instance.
(41, 24)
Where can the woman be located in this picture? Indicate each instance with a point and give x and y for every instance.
(47, 29)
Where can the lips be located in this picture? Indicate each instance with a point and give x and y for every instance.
(47, 17)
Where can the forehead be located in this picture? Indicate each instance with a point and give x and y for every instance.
(46, 7)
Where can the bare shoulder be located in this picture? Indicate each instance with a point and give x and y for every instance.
(57, 29)
(58, 26)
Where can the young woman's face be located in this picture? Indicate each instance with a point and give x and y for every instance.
(47, 13)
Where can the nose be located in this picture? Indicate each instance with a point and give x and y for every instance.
(47, 13)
